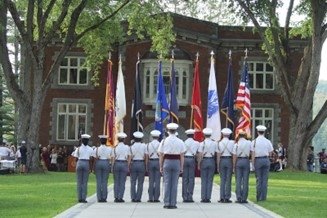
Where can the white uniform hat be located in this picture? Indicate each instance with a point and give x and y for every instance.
(207, 131)
(226, 131)
(23, 142)
(121, 135)
(176, 133)
(155, 133)
(103, 136)
(261, 128)
(190, 132)
(138, 135)
(85, 136)
(172, 126)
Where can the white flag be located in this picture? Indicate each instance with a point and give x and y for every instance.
(213, 115)
(120, 100)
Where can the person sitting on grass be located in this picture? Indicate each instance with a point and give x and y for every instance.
(323, 166)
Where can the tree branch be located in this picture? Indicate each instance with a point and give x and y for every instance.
(40, 17)
(15, 16)
(79, 36)
(287, 20)
(46, 13)
(29, 20)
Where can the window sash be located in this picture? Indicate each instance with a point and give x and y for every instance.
(261, 75)
(72, 71)
(263, 116)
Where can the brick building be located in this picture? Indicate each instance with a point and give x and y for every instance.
(74, 105)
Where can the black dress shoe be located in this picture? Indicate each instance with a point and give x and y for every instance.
(166, 206)
(203, 201)
(121, 200)
(172, 207)
(83, 201)
(150, 201)
(245, 202)
(191, 201)
(238, 201)
(138, 201)
(208, 201)
(228, 201)
(156, 201)
(221, 201)
(133, 200)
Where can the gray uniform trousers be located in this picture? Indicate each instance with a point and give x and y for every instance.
(261, 166)
(207, 172)
(242, 171)
(120, 174)
(137, 179)
(154, 179)
(82, 175)
(188, 178)
(171, 170)
(102, 174)
(225, 172)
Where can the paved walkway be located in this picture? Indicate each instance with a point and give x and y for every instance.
(147, 210)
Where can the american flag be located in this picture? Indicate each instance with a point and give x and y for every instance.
(243, 102)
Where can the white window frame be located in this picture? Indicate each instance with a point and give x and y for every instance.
(67, 113)
(180, 66)
(263, 120)
(254, 72)
(79, 67)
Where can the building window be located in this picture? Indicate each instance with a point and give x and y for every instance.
(71, 121)
(182, 70)
(261, 75)
(263, 116)
(73, 72)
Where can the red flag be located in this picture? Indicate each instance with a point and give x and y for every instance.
(196, 105)
(109, 108)
(243, 103)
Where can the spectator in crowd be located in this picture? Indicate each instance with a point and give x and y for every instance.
(65, 155)
(281, 156)
(53, 158)
(323, 166)
(274, 163)
(322, 155)
(23, 152)
(18, 156)
(45, 159)
(60, 160)
(13, 152)
(310, 159)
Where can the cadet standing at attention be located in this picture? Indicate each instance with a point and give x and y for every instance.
(241, 166)
(171, 151)
(261, 150)
(153, 167)
(190, 155)
(225, 165)
(102, 156)
(137, 170)
(207, 165)
(83, 153)
(120, 162)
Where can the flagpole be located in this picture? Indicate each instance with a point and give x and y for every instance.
(192, 109)
(230, 59)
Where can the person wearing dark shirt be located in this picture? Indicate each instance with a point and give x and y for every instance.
(310, 159)
(23, 152)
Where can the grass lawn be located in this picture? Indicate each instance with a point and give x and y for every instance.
(293, 194)
(39, 195)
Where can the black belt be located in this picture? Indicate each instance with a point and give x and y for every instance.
(243, 157)
(189, 156)
(138, 160)
(172, 156)
(83, 159)
(120, 160)
(262, 157)
(207, 157)
(154, 158)
(226, 156)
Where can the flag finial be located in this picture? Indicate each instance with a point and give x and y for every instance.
(230, 54)
(138, 56)
(120, 58)
(172, 54)
(212, 53)
(246, 53)
(197, 56)
(109, 55)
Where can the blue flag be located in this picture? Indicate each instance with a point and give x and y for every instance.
(227, 106)
(173, 96)
(162, 109)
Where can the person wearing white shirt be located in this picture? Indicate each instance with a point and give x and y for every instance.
(206, 163)
(138, 166)
(241, 166)
(120, 163)
(225, 165)
(261, 149)
(153, 167)
(190, 155)
(171, 160)
(102, 155)
(83, 153)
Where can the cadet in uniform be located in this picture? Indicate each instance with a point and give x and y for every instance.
(261, 150)
(190, 155)
(153, 167)
(138, 161)
(102, 157)
(83, 153)
(241, 166)
(225, 165)
(171, 151)
(207, 165)
(121, 161)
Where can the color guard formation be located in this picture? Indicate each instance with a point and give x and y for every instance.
(171, 157)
